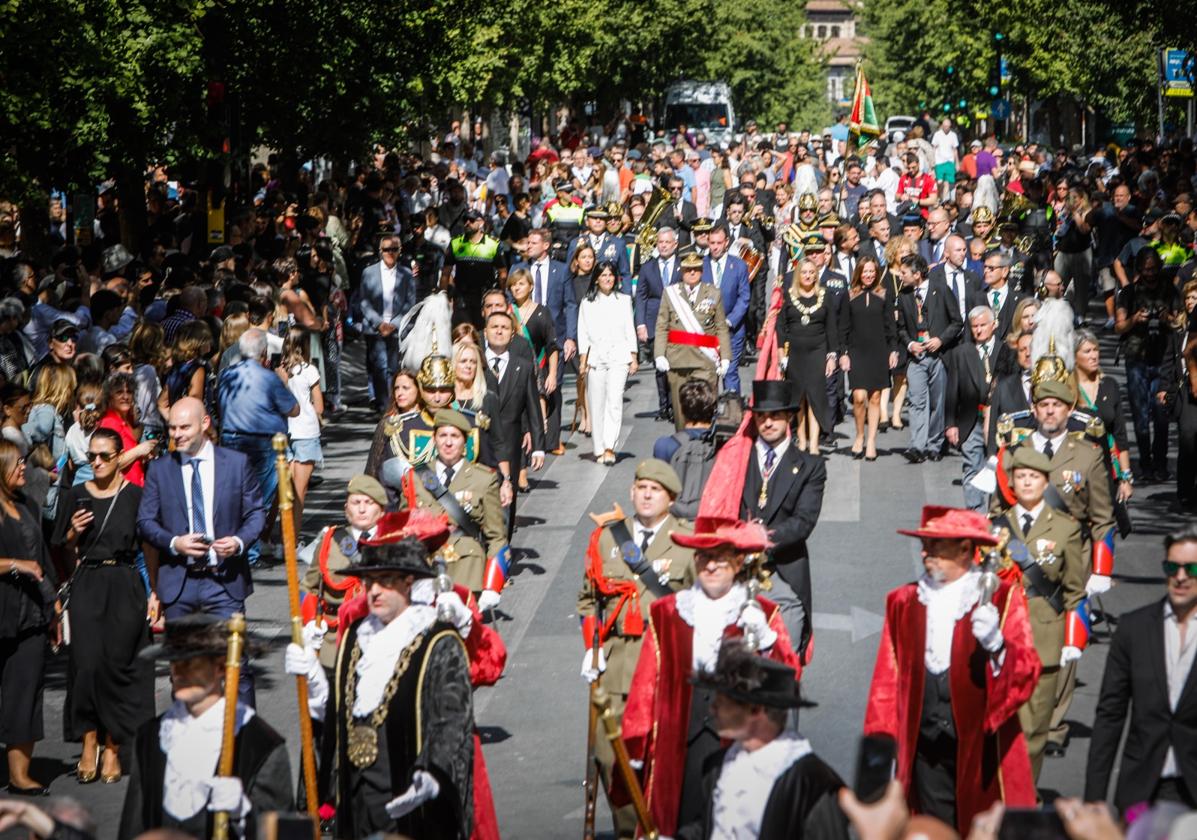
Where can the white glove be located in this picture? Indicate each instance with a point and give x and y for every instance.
(1098, 584)
(590, 673)
(313, 634)
(721, 368)
(986, 629)
(752, 620)
(225, 793)
(488, 600)
(450, 602)
(423, 789)
(303, 662)
(1069, 653)
(783, 363)
(661, 364)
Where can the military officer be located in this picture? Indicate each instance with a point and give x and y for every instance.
(982, 223)
(325, 586)
(607, 247)
(808, 214)
(629, 564)
(700, 232)
(468, 493)
(1045, 544)
(692, 338)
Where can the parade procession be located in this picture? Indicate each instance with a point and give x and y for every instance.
(831, 378)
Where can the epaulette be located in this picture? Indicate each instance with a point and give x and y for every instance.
(392, 425)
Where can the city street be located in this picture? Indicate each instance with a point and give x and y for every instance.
(533, 722)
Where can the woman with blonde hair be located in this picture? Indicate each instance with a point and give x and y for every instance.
(807, 331)
(472, 398)
(190, 372)
(147, 343)
(1023, 323)
(53, 399)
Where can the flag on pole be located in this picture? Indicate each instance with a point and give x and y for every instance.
(863, 118)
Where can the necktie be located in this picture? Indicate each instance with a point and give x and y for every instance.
(448, 476)
(494, 365)
(770, 458)
(938, 250)
(664, 272)
(646, 536)
(199, 524)
(879, 250)
(996, 297)
(1048, 449)
(1027, 521)
(719, 273)
(539, 290)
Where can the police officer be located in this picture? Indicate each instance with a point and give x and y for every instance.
(563, 216)
(473, 265)
(607, 247)
(629, 564)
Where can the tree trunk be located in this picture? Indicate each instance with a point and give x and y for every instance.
(130, 187)
(35, 227)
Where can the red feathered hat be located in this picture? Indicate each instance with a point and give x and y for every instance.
(430, 528)
(948, 523)
(711, 531)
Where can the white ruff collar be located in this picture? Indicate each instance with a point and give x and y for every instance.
(946, 603)
(746, 781)
(381, 645)
(192, 748)
(709, 617)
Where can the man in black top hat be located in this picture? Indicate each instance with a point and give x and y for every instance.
(173, 781)
(768, 783)
(784, 489)
(402, 714)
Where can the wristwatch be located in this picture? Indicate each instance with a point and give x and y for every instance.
(506, 478)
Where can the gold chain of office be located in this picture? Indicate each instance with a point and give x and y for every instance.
(362, 746)
(806, 310)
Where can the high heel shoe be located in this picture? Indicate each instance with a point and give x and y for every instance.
(110, 778)
(86, 777)
(40, 790)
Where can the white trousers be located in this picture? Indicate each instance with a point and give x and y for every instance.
(604, 401)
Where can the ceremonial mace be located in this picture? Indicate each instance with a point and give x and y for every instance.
(603, 701)
(286, 495)
(988, 584)
(232, 678)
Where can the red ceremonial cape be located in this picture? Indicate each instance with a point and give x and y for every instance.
(991, 753)
(488, 656)
(657, 716)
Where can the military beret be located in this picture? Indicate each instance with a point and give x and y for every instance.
(691, 260)
(367, 486)
(654, 469)
(1052, 388)
(449, 417)
(1030, 458)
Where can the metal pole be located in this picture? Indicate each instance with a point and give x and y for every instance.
(1159, 92)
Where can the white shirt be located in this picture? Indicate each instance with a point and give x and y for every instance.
(1178, 660)
(762, 450)
(665, 266)
(441, 468)
(1001, 298)
(1020, 512)
(945, 144)
(300, 383)
(606, 330)
(540, 269)
(845, 263)
(958, 284)
(503, 358)
(946, 603)
(207, 471)
(389, 278)
(1039, 441)
(718, 266)
(708, 617)
(745, 782)
(649, 531)
(192, 748)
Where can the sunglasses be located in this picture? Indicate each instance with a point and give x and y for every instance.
(103, 456)
(390, 250)
(1171, 568)
(66, 337)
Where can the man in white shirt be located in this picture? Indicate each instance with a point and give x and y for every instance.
(998, 294)
(947, 157)
(386, 293)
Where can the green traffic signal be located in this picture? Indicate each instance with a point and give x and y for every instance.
(994, 90)
(963, 103)
(998, 36)
(951, 69)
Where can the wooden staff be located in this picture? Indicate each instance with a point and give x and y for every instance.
(286, 495)
(232, 678)
(603, 702)
(592, 767)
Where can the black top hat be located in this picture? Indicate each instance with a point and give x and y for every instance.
(773, 395)
(742, 675)
(189, 637)
(407, 556)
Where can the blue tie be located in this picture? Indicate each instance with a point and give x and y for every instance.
(198, 522)
(770, 457)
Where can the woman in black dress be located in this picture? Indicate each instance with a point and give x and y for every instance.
(807, 332)
(28, 602)
(111, 691)
(535, 323)
(871, 352)
(580, 269)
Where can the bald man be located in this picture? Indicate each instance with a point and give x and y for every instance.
(953, 272)
(202, 564)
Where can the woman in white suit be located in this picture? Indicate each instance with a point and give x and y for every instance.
(607, 346)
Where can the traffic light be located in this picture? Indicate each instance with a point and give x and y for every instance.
(963, 104)
(995, 70)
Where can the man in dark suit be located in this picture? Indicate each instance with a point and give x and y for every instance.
(739, 227)
(873, 242)
(874, 210)
(513, 378)
(201, 508)
(1150, 667)
(963, 285)
(679, 214)
(607, 246)
(386, 292)
(929, 325)
(655, 275)
(970, 377)
(552, 288)
(729, 275)
(999, 295)
(1011, 392)
(784, 489)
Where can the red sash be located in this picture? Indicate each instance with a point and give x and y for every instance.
(694, 339)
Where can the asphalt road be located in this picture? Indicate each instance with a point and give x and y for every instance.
(533, 722)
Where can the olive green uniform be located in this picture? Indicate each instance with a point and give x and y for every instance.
(333, 598)
(687, 361)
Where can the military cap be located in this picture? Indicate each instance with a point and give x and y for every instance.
(691, 260)
(366, 485)
(814, 241)
(913, 220)
(1054, 389)
(702, 225)
(829, 220)
(599, 212)
(654, 469)
(449, 417)
(808, 201)
(1030, 458)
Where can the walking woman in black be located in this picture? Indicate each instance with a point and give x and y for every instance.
(809, 337)
(28, 600)
(871, 353)
(110, 691)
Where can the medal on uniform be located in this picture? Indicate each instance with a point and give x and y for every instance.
(348, 545)
(363, 745)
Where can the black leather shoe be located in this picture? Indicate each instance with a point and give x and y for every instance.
(12, 790)
(934, 456)
(914, 456)
(1053, 750)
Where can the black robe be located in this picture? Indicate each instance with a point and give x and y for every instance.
(802, 804)
(437, 677)
(259, 760)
